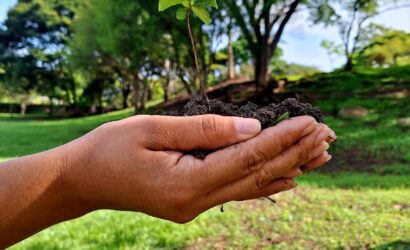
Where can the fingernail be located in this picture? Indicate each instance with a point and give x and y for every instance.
(333, 135)
(247, 127)
(310, 128)
(294, 184)
(329, 158)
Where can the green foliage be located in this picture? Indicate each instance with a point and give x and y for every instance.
(198, 7)
(386, 47)
(165, 4)
(281, 118)
(33, 50)
(351, 18)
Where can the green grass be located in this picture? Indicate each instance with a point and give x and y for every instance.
(376, 140)
(356, 181)
(307, 218)
(21, 137)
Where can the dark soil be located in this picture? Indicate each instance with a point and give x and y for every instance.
(267, 115)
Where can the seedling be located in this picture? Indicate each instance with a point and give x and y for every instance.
(184, 12)
(269, 116)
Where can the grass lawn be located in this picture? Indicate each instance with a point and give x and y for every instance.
(21, 137)
(369, 209)
(306, 218)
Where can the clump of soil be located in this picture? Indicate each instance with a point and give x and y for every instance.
(268, 115)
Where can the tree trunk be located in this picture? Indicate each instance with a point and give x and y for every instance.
(167, 82)
(100, 103)
(50, 106)
(144, 95)
(73, 89)
(166, 90)
(349, 64)
(125, 93)
(262, 70)
(23, 108)
(136, 99)
(186, 84)
(231, 58)
(395, 59)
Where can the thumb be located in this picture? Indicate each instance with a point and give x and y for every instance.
(204, 132)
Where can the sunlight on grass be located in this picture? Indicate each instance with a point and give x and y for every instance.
(306, 218)
(346, 180)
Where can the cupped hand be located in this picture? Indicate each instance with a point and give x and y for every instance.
(140, 163)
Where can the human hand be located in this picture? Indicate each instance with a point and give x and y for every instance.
(138, 164)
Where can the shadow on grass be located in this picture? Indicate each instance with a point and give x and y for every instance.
(395, 245)
(351, 180)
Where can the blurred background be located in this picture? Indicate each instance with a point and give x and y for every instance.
(67, 66)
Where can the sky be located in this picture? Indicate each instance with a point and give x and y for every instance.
(301, 41)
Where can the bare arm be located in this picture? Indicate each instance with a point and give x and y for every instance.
(31, 196)
(137, 163)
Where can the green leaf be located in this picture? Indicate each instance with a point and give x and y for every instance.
(165, 4)
(186, 4)
(203, 4)
(281, 118)
(203, 14)
(181, 13)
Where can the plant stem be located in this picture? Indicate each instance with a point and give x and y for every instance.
(194, 51)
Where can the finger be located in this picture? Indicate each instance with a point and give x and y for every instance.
(332, 137)
(203, 132)
(236, 161)
(293, 157)
(316, 162)
(321, 149)
(293, 173)
(274, 187)
(290, 159)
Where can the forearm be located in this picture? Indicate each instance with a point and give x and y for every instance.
(33, 196)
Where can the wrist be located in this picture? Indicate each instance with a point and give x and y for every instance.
(70, 181)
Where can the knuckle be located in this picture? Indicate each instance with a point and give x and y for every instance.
(260, 155)
(322, 127)
(302, 152)
(267, 173)
(209, 127)
(286, 140)
(253, 157)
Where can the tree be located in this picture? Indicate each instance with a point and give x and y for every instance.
(385, 47)
(33, 47)
(351, 17)
(262, 24)
(124, 36)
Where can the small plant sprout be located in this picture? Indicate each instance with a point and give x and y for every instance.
(184, 12)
